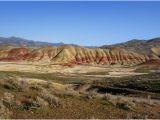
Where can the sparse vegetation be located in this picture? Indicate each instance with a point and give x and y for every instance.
(4, 111)
(51, 99)
(81, 100)
(17, 85)
(44, 76)
(142, 85)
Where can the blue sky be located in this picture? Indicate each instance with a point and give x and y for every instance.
(83, 23)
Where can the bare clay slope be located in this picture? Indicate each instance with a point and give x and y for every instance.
(71, 55)
(155, 56)
(14, 54)
(156, 50)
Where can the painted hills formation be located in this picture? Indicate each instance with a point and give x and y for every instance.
(132, 52)
(72, 55)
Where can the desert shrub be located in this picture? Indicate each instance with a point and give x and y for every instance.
(67, 92)
(126, 105)
(41, 102)
(15, 84)
(47, 85)
(29, 104)
(34, 103)
(110, 98)
(36, 87)
(51, 99)
(107, 97)
(147, 101)
(4, 112)
(91, 95)
(120, 101)
(8, 99)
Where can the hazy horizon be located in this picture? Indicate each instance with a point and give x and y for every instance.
(81, 23)
(73, 43)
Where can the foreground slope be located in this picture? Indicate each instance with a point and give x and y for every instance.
(26, 97)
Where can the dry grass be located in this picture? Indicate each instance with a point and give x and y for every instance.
(37, 87)
(121, 102)
(50, 98)
(43, 100)
(8, 99)
(14, 83)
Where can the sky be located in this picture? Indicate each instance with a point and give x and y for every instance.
(82, 23)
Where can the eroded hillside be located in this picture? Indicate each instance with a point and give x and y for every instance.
(71, 55)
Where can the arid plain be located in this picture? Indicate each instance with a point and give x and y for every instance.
(77, 82)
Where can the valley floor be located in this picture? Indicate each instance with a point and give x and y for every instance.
(82, 70)
(85, 91)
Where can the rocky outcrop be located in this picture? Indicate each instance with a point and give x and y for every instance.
(71, 55)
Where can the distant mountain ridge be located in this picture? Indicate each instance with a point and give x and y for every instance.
(135, 45)
(140, 46)
(21, 42)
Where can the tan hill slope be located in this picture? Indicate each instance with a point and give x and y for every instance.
(155, 56)
(156, 50)
(154, 61)
(73, 55)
